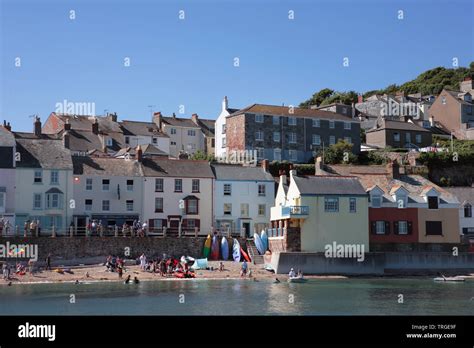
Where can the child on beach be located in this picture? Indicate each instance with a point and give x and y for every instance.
(244, 268)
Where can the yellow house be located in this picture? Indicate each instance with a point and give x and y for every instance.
(312, 212)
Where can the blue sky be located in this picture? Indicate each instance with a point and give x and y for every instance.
(190, 62)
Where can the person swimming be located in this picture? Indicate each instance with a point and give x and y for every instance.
(276, 281)
(127, 280)
(135, 280)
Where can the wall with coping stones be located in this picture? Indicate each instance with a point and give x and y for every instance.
(66, 248)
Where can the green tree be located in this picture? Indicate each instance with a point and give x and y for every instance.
(200, 155)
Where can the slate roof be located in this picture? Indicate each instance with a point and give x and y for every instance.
(237, 172)
(179, 122)
(106, 166)
(147, 149)
(328, 185)
(164, 167)
(45, 152)
(457, 94)
(84, 140)
(84, 122)
(207, 126)
(382, 124)
(141, 128)
(297, 112)
(463, 194)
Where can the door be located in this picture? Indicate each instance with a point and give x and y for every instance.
(246, 226)
(174, 226)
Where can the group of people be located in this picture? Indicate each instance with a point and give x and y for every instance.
(165, 266)
(94, 227)
(31, 226)
(5, 226)
(293, 274)
(136, 229)
(115, 264)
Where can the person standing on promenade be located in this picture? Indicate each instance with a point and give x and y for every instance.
(48, 262)
(142, 262)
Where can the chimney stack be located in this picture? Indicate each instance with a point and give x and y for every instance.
(157, 117)
(66, 139)
(7, 126)
(318, 166)
(360, 99)
(174, 115)
(195, 118)
(113, 117)
(37, 126)
(67, 125)
(265, 165)
(432, 121)
(95, 126)
(225, 104)
(393, 169)
(139, 153)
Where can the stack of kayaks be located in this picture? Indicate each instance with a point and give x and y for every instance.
(236, 250)
(207, 246)
(215, 248)
(258, 243)
(224, 248)
(264, 238)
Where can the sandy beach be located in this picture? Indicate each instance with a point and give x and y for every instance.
(98, 273)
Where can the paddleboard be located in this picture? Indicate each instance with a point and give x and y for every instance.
(244, 254)
(258, 243)
(264, 238)
(215, 248)
(224, 248)
(236, 250)
(207, 247)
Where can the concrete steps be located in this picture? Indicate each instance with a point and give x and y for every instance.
(253, 253)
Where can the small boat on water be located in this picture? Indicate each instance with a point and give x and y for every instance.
(298, 279)
(449, 279)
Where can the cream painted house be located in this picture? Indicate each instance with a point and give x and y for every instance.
(315, 211)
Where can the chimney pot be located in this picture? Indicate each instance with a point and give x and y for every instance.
(67, 125)
(393, 169)
(95, 126)
(37, 127)
(139, 153)
(225, 104)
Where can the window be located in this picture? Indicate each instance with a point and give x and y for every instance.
(292, 138)
(443, 100)
(192, 206)
(213, 142)
(173, 143)
(109, 142)
(332, 124)
(88, 184)
(292, 121)
(88, 204)
(261, 189)
(376, 201)
(158, 204)
(190, 223)
(159, 185)
(105, 184)
(467, 210)
(129, 205)
(155, 140)
(259, 118)
(54, 177)
(316, 139)
(276, 120)
(418, 138)
(37, 201)
(127, 140)
(348, 140)
(432, 202)
(223, 128)
(178, 185)
(347, 125)
(52, 201)
(244, 209)
(276, 136)
(316, 123)
(332, 140)
(331, 205)
(191, 133)
(277, 154)
(224, 142)
(402, 227)
(259, 136)
(227, 189)
(260, 152)
(261, 209)
(434, 228)
(227, 209)
(408, 137)
(38, 177)
(352, 205)
(195, 186)
(192, 146)
(129, 185)
(380, 227)
(401, 200)
(293, 155)
(106, 205)
(396, 136)
(173, 131)
(158, 224)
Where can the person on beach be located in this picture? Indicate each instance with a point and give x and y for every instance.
(142, 262)
(31, 265)
(4, 271)
(221, 266)
(244, 268)
(48, 262)
(120, 271)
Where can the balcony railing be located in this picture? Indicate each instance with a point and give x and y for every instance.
(294, 211)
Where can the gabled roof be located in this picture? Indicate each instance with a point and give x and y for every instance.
(328, 185)
(179, 122)
(294, 112)
(164, 167)
(45, 152)
(141, 128)
(147, 149)
(84, 141)
(235, 172)
(84, 122)
(383, 124)
(207, 126)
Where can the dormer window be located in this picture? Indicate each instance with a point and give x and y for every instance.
(467, 210)
(432, 202)
(376, 200)
(109, 142)
(402, 200)
(443, 100)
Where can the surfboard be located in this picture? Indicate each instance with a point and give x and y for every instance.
(224, 248)
(244, 254)
(207, 246)
(215, 248)
(258, 243)
(236, 250)
(264, 238)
